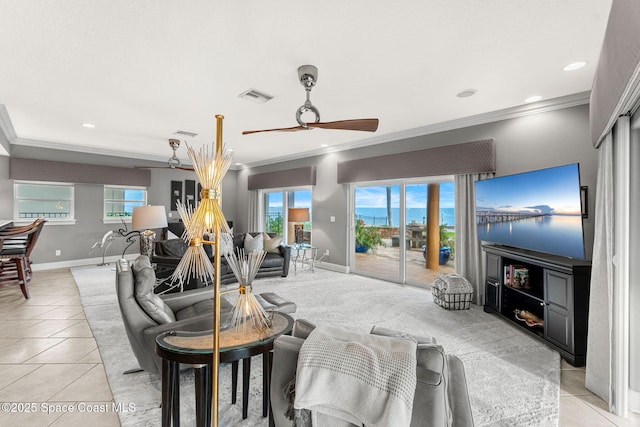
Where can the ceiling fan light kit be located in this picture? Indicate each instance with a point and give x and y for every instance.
(308, 76)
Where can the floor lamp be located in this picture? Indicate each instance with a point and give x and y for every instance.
(207, 220)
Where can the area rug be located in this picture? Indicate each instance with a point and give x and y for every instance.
(513, 379)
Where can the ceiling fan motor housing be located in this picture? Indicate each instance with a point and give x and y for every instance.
(308, 75)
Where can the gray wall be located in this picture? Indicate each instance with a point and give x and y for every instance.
(75, 241)
(522, 144)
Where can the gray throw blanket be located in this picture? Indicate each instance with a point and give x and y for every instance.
(359, 378)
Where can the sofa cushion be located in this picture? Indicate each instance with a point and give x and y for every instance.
(272, 260)
(145, 281)
(202, 307)
(238, 240)
(271, 244)
(171, 247)
(252, 243)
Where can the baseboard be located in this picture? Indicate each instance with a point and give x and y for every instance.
(333, 267)
(79, 262)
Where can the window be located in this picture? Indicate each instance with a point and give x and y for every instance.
(53, 201)
(275, 215)
(120, 201)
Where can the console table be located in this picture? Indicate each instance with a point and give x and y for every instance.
(196, 348)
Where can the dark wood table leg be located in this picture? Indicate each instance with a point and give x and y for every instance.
(201, 395)
(246, 372)
(167, 382)
(209, 392)
(266, 380)
(234, 381)
(175, 394)
(270, 359)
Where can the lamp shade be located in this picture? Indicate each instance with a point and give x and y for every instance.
(298, 214)
(148, 217)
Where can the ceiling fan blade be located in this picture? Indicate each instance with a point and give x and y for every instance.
(291, 129)
(366, 125)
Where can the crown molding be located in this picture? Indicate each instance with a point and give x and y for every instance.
(5, 124)
(568, 101)
(86, 150)
(479, 119)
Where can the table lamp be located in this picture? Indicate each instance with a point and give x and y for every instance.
(145, 219)
(298, 216)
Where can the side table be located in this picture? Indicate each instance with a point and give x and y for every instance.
(305, 254)
(196, 348)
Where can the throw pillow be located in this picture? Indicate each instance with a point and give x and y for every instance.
(145, 281)
(271, 244)
(253, 243)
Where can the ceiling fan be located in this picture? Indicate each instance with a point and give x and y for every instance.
(173, 162)
(308, 76)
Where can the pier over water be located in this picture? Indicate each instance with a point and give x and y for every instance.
(490, 217)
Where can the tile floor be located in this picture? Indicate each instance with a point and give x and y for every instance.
(51, 372)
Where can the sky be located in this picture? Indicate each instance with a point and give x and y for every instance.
(376, 197)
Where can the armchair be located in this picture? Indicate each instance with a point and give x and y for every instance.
(441, 396)
(146, 315)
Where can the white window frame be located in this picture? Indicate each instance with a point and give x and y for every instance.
(50, 221)
(120, 219)
(285, 203)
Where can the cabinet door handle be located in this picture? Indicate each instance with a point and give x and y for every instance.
(542, 304)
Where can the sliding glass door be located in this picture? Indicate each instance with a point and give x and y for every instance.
(404, 230)
(376, 230)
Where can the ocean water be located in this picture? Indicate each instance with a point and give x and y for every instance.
(378, 216)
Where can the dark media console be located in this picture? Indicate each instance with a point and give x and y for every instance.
(546, 295)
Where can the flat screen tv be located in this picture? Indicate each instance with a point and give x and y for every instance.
(538, 210)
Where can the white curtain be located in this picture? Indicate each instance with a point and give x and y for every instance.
(599, 341)
(469, 261)
(254, 219)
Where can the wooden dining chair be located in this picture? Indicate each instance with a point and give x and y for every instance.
(16, 246)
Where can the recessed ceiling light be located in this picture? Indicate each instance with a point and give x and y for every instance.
(467, 93)
(533, 99)
(575, 66)
(324, 145)
(89, 125)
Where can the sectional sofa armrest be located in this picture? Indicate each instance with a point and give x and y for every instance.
(179, 300)
(285, 251)
(458, 394)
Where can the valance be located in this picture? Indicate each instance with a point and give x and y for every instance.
(469, 157)
(46, 170)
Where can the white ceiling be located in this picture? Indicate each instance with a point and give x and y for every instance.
(142, 70)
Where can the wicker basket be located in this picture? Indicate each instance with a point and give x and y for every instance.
(452, 292)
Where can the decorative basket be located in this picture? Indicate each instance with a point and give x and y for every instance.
(452, 292)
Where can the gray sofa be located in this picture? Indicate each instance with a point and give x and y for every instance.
(441, 397)
(169, 252)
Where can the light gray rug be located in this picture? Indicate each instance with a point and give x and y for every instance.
(513, 379)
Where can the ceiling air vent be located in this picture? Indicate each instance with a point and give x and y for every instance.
(256, 96)
(185, 133)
